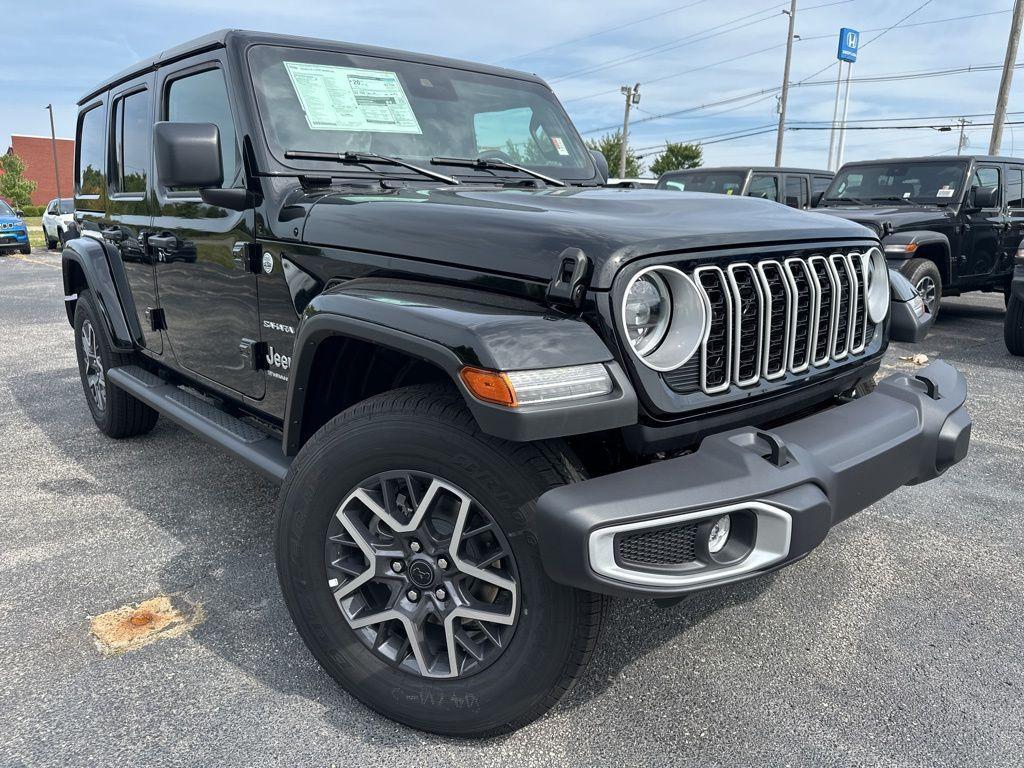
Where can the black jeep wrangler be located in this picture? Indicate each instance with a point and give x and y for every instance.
(493, 392)
(949, 224)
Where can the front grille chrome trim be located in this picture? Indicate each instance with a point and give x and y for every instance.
(830, 330)
(737, 324)
(766, 315)
(839, 261)
(859, 266)
(814, 300)
(727, 295)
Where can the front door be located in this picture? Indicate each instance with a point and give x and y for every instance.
(982, 228)
(765, 186)
(207, 292)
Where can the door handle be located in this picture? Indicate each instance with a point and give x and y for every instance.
(163, 242)
(113, 234)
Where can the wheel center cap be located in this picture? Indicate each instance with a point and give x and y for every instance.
(421, 573)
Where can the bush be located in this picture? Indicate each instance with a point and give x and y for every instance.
(30, 211)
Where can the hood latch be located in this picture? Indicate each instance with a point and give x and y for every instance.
(569, 284)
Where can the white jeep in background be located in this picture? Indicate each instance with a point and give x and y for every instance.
(56, 219)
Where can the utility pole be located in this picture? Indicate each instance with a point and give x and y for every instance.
(1004, 84)
(962, 141)
(632, 97)
(785, 83)
(53, 145)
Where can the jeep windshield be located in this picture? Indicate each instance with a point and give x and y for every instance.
(720, 182)
(332, 103)
(925, 183)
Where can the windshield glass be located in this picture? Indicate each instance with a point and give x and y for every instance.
(933, 182)
(324, 101)
(5, 209)
(721, 182)
(67, 206)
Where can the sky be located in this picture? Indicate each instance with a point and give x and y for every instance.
(685, 54)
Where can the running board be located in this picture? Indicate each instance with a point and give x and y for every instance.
(250, 444)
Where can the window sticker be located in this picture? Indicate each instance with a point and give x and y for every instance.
(559, 145)
(945, 192)
(347, 99)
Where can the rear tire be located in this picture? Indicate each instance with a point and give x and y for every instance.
(1013, 327)
(50, 244)
(25, 250)
(925, 277)
(116, 413)
(426, 432)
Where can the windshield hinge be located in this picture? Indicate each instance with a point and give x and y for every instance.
(569, 284)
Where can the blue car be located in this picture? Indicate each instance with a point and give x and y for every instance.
(13, 232)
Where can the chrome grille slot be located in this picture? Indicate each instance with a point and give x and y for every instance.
(777, 306)
(748, 310)
(825, 286)
(716, 352)
(803, 329)
(860, 325)
(846, 304)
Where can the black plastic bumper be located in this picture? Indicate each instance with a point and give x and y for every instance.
(823, 469)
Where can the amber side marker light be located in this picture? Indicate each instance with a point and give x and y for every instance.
(489, 386)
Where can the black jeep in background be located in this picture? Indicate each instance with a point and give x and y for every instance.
(950, 225)
(492, 390)
(795, 187)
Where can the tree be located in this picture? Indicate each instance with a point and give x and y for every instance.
(13, 185)
(676, 157)
(610, 145)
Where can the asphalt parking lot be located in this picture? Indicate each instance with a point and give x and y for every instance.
(900, 642)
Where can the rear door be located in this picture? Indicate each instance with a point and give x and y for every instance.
(983, 229)
(207, 291)
(1013, 232)
(798, 193)
(764, 185)
(129, 205)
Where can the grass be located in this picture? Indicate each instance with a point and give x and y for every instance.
(35, 231)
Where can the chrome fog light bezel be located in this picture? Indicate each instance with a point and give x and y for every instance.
(687, 324)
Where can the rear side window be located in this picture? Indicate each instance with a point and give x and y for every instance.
(203, 98)
(1015, 187)
(132, 130)
(819, 184)
(90, 151)
(796, 191)
(764, 186)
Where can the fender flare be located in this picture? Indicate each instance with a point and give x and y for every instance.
(894, 246)
(119, 322)
(452, 327)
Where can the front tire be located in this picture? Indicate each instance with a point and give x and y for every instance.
(116, 413)
(925, 277)
(1013, 327)
(399, 526)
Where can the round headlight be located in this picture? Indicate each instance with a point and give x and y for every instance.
(877, 288)
(664, 317)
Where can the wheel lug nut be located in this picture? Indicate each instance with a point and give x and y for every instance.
(397, 566)
(413, 595)
(440, 594)
(442, 563)
(415, 546)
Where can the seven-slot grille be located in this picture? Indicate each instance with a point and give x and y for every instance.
(773, 317)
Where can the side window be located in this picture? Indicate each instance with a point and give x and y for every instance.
(819, 184)
(132, 131)
(89, 163)
(203, 98)
(1015, 187)
(764, 186)
(796, 191)
(987, 176)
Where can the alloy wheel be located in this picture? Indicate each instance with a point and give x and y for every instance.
(94, 376)
(929, 292)
(423, 574)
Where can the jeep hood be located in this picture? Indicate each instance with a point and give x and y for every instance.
(522, 232)
(902, 217)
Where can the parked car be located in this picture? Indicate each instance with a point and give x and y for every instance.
(13, 231)
(492, 390)
(57, 218)
(796, 187)
(949, 224)
(632, 183)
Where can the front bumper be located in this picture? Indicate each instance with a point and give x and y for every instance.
(794, 483)
(13, 238)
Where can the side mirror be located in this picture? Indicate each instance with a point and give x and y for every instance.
(816, 200)
(188, 155)
(983, 197)
(602, 165)
(19, 213)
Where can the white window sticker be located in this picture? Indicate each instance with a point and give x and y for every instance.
(559, 145)
(346, 99)
(944, 192)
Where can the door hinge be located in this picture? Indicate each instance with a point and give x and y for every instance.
(156, 318)
(569, 284)
(254, 353)
(246, 257)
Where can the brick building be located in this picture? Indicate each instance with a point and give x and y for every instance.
(37, 154)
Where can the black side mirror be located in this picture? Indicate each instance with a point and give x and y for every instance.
(983, 197)
(19, 213)
(602, 165)
(816, 200)
(188, 155)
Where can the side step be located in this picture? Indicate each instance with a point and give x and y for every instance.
(250, 444)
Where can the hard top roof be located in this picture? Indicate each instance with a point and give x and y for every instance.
(754, 168)
(229, 37)
(926, 158)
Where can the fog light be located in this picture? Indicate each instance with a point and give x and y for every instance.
(719, 534)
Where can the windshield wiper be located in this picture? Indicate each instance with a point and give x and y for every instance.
(484, 163)
(892, 198)
(362, 158)
(855, 200)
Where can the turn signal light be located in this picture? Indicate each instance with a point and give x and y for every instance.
(489, 386)
(516, 389)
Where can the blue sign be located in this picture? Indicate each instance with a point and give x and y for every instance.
(849, 40)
